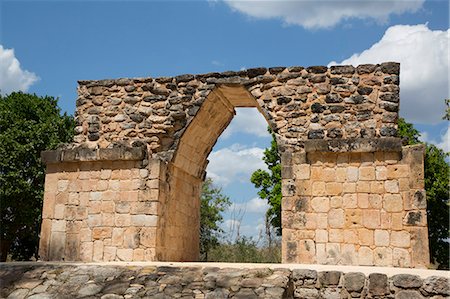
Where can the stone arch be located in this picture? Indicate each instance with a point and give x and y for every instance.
(127, 188)
(186, 171)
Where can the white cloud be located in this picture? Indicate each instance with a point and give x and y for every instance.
(313, 14)
(255, 205)
(443, 142)
(424, 66)
(235, 163)
(12, 77)
(247, 120)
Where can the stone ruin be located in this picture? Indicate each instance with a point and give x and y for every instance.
(128, 187)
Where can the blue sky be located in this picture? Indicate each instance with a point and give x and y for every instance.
(46, 46)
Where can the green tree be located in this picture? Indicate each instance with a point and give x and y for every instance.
(212, 204)
(29, 124)
(269, 183)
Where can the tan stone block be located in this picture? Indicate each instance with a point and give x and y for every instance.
(365, 236)
(51, 182)
(375, 201)
(336, 235)
(401, 239)
(122, 207)
(86, 251)
(150, 255)
(322, 220)
(73, 198)
(381, 173)
(371, 218)
(59, 211)
(333, 188)
(84, 198)
(386, 220)
(114, 185)
(109, 253)
(152, 184)
(377, 187)
(144, 207)
(351, 236)
(138, 255)
(397, 221)
(311, 220)
(363, 200)
(320, 204)
(352, 174)
(115, 174)
(333, 253)
(306, 234)
(48, 209)
(98, 251)
(365, 256)
(350, 201)
(407, 201)
(62, 198)
(401, 258)
(131, 237)
(143, 173)
(318, 188)
(382, 256)
(95, 207)
(105, 174)
(303, 187)
(342, 159)
(392, 157)
(419, 247)
(328, 174)
(393, 202)
(45, 235)
(62, 185)
(354, 159)
(58, 226)
(100, 233)
(102, 185)
(348, 255)
(403, 184)
(122, 220)
(341, 175)
(306, 251)
(117, 236)
(353, 218)
(302, 171)
(367, 173)
(349, 187)
(397, 171)
(108, 219)
(363, 187)
(336, 218)
(144, 220)
(336, 202)
(108, 207)
(321, 236)
(85, 234)
(129, 195)
(391, 186)
(321, 253)
(148, 236)
(381, 237)
(84, 175)
(125, 254)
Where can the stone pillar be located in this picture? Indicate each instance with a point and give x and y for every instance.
(100, 205)
(356, 202)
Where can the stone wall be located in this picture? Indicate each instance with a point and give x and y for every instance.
(346, 194)
(356, 209)
(41, 280)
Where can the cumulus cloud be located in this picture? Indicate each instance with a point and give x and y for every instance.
(424, 66)
(255, 205)
(235, 163)
(247, 120)
(313, 14)
(12, 76)
(443, 142)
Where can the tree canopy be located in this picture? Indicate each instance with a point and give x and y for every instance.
(269, 184)
(29, 124)
(212, 204)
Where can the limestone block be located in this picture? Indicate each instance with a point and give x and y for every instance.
(401, 239)
(320, 204)
(401, 258)
(393, 202)
(367, 173)
(125, 254)
(382, 237)
(336, 218)
(382, 256)
(365, 256)
(365, 236)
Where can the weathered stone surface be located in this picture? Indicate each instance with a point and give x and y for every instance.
(354, 282)
(407, 281)
(378, 284)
